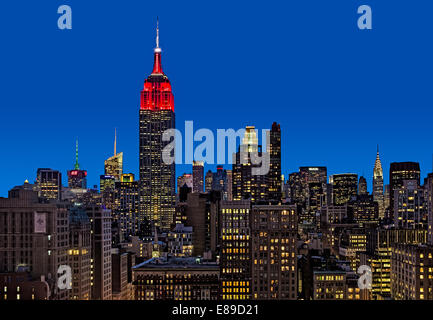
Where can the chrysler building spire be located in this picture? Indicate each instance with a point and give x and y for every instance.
(378, 195)
(378, 165)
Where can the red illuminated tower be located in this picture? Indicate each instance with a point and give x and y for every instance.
(157, 179)
(77, 178)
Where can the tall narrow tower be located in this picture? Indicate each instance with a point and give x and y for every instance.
(77, 177)
(114, 165)
(274, 150)
(157, 179)
(378, 185)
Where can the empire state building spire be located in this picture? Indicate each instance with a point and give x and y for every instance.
(157, 49)
(157, 67)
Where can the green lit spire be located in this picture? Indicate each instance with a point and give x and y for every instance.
(77, 166)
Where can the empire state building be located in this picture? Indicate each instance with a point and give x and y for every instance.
(157, 179)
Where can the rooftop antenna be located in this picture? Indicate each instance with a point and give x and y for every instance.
(77, 166)
(157, 49)
(115, 141)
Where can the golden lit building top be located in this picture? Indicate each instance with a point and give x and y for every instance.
(250, 139)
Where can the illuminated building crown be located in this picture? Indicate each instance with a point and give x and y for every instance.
(156, 94)
(377, 166)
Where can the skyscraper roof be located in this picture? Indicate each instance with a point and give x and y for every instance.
(377, 165)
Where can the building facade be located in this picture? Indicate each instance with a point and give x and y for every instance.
(157, 178)
(176, 279)
(235, 258)
(198, 176)
(398, 172)
(34, 238)
(274, 255)
(412, 272)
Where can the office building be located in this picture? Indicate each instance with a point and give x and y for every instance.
(34, 238)
(235, 259)
(157, 178)
(49, 184)
(344, 187)
(79, 252)
(274, 255)
(100, 267)
(185, 179)
(198, 176)
(362, 186)
(412, 272)
(398, 172)
(274, 175)
(180, 279)
(410, 208)
(248, 182)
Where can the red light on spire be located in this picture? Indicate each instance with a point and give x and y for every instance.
(157, 67)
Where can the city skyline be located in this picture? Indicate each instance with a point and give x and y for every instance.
(298, 207)
(322, 95)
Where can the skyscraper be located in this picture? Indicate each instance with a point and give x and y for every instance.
(198, 176)
(79, 252)
(100, 264)
(49, 183)
(187, 179)
(313, 187)
(273, 252)
(229, 185)
(378, 185)
(344, 187)
(362, 186)
(417, 283)
(428, 186)
(77, 178)
(157, 178)
(274, 150)
(208, 181)
(235, 260)
(398, 172)
(245, 183)
(126, 206)
(114, 165)
(410, 210)
(34, 236)
(220, 182)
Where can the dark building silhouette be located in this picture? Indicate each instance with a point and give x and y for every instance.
(198, 176)
(274, 176)
(362, 186)
(398, 172)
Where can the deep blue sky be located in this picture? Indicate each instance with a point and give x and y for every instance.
(337, 91)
